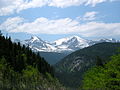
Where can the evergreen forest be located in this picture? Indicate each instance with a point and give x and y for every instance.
(22, 69)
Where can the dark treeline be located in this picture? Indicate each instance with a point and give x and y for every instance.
(22, 69)
(18, 56)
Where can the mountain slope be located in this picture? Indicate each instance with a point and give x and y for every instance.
(52, 57)
(37, 44)
(78, 62)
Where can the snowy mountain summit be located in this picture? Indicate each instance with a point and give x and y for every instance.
(37, 44)
(70, 43)
(67, 44)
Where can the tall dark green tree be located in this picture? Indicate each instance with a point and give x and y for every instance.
(99, 61)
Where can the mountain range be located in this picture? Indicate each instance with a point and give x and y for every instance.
(64, 45)
(54, 51)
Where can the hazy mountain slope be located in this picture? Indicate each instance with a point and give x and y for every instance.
(52, 57)
(78, 62)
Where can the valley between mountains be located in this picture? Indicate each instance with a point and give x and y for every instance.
(70, 63)
(58, 49)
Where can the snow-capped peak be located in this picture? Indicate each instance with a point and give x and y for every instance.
(70, 43)
(64, 40)
(60, 41)
(74, 36)
(35, 38)
(78, 38)
(108, 40)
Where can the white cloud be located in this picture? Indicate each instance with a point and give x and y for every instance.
(32, 4)
(61, 26)
(94, 2)
(10, 6)
(40, 25)
(66, 3)
(12, 23)
(90, 16)
(96, 29)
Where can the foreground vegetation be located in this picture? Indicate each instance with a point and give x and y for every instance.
(21, 69)
(104, 76)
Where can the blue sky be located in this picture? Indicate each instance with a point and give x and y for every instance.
(54, 19)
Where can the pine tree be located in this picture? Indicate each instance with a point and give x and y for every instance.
(0, 33)
(99, 61)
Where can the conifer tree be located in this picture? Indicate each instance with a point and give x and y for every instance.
(99, 61)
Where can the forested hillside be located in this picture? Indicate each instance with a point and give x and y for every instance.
(105, 77)
(70, 69)
(22, 69)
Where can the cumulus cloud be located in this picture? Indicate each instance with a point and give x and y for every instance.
(61, 26)
(12, 23)
(40, 25)
(97, 29)
(10, 6)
